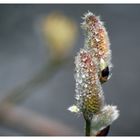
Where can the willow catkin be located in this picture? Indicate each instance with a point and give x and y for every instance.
(89, 94)
(96, 37)
(92, 66)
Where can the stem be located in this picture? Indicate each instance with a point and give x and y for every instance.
(88, 126)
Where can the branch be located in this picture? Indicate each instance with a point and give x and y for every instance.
(22, 118)
(46, 73)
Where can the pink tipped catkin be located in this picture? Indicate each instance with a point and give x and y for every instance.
(97, 39)
(89, 94)
(92, 66)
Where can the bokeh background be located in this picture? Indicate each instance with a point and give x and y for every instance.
(23, 53)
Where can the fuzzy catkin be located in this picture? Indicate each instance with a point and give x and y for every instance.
(92, 65)
(89, 93)
(96, 38)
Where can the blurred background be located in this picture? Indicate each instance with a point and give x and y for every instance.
(38, 44)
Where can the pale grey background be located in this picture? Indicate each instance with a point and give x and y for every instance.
(22, 55)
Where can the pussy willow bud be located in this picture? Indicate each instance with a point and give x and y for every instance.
(105, 118)
(96, 37)
(89, 93)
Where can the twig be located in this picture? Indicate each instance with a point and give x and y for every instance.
(21, 92)
(24, 119)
